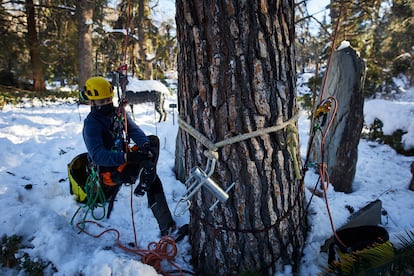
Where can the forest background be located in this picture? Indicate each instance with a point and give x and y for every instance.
(45, 41)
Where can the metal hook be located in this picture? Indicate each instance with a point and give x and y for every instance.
(199, 178)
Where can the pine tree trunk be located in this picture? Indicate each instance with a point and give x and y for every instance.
(236, 67)
(84, 11)
(34, 46)
(143, 51)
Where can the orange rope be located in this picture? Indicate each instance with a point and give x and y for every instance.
(325, 133)
(312, 132)
(323, 172)
(156, 252)
(332, 50)
(323, 168)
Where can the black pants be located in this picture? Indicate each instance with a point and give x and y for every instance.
(155, 193)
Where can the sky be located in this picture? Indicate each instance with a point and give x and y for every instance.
(166, 8)
(317, 7)
(38, 140)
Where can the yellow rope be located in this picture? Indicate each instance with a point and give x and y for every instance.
(197, 135)
(256, 133)
(214, 146)
(293, 143)
(292, 140)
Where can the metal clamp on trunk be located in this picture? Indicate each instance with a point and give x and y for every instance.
(199, 178)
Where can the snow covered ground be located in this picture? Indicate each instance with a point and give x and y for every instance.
(38, 142)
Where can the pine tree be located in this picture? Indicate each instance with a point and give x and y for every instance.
(396, 43)
(148, 44)
(236, 68)
(358, 24)
(34, 47)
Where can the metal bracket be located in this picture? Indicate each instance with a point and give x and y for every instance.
(199, 178)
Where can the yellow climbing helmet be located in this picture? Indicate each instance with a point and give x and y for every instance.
(97, 88)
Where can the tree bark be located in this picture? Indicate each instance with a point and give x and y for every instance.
(236, 68)
(84, 12)
(34, 46)
(142, 39)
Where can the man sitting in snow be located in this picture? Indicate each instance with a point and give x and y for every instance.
(103, 133)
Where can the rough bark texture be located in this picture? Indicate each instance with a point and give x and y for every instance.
(236, 67)
(34, 46)
(143, 39)
(84, 12)
(344, 82)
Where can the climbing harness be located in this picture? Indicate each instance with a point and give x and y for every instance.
(120, 116)
(199, 177)
(92, 190)
(165, 249)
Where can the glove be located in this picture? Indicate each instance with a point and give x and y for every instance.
(147, 176)
(146, 147)
(137, 156)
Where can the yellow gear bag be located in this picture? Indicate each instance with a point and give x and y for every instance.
(78, 174)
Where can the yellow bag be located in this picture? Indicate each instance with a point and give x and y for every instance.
(78, 175)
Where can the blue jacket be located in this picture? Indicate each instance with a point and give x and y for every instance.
(100, 139)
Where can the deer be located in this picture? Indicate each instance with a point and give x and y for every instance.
(147, 96)
(143, 91)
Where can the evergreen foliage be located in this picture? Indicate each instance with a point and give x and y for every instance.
(375, 133)
(57, 31)
(361, 263)
(12, 256)
(380, 31)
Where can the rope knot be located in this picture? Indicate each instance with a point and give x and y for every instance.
(165, 249)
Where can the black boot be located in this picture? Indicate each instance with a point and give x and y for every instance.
(162, 213)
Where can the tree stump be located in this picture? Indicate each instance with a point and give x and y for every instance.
(344, 82)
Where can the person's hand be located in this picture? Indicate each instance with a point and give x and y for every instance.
(147, 148)
(137, 156)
